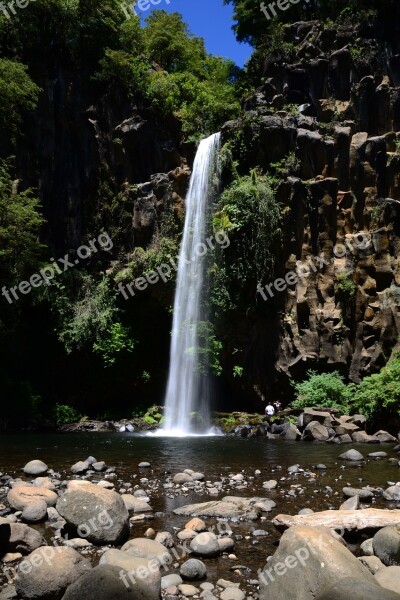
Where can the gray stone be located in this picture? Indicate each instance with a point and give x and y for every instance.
(377, 454)
(193, 570)
(389, 578)
(107, 582)
(165, 538)
(138, 568)
(149, 549)
(386, 545)
(144, 465)
(363, 494)
(36, 467)
(187, 590)
(352, 503)
(367, 548)
(80, 467)
(22, 495)
(307, 578)
(99, 514)
(35, 511)
(232, 593)
(15, 537)
(205, 544)
(373, 563)
(172, 579)
(272, 484)
(182, 478)
(352, 455)
(356, 588)
(99, 466)
(226, 544)
(47, 572)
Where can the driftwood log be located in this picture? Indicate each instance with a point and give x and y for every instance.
(370, 518)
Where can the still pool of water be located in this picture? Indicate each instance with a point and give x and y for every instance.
(216, 457)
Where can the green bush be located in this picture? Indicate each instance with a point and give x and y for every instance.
(379, 394)
(325, 390)
(65, 414)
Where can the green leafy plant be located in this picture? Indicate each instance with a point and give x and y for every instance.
(346, 285)
(65, 414)
(326, 390)
(378, 395)
(237, 371)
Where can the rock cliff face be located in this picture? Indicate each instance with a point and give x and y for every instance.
(339, 186)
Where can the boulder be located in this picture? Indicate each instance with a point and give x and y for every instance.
(135, 505)
(169, 580)
(316, 431)
(317, 560)
(368, 518)
(47, 572)
(107, 582)
(363, 493)
(356, 589)
(36, 467)
(389, 578)
(372, 563)
(352, 503)
(196, 524)
(35, 511)
(15, 537)
(323, 417)
(227, 508)
(21, 495)
(148, 549)
(80, 467)
(352, 455)
(182, 478)
(226, 544)
(385, 437)
(392, 493)
(193, 570)
(99, 515)
(361, 437)
(205, 544)
(290, 433)
(386, 545)
(99, 466)
(143, 569)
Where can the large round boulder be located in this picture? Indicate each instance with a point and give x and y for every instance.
(99, 515)
(35, 467)
(389, 578)
(386, 545)
(205, 544)
(148, 549)
(21, 495)
(47, 572)
(356, 589)
(35, 511)
(108, 582)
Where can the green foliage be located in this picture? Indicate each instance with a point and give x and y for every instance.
(379, 395)
(346, 286)
(115, 340)
(237, 371)
(20, 223)
(251, 216)
(18, 93)
(65, 414)
(153, 416)
(325, 390)
(120, 69)
(209, 349)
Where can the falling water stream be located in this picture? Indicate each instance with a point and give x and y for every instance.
(187, 398)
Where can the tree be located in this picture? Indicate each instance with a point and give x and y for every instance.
(18, 93)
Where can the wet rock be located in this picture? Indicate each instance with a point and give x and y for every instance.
(106, 582)
(35, 511)
(198, 476)
(136, 505)
(36, 467)
(373, 563)
(193, 570)
(363, 494)
(21, 495)
(304, 578)
(377, 454)
(386, 545)
(47, 572)
(228, 507)
(361, 437)
(144, 465)
(305, 511)
(392, 493)
(186, 534)
(291, 433)
(205, 544)
(150, 533)
(148, 549)
(356, 589)
(389, 578)
(352, 455)
(98, 514)
(99, 466)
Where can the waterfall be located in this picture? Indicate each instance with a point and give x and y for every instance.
(187, 393)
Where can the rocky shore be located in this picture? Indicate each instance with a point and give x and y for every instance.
(88, 531)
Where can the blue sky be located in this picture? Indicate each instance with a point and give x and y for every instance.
(211, 20)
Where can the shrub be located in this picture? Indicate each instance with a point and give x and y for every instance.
(65, 414)
(379, 394)
(326, 390)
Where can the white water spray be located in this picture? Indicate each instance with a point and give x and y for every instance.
(187, 396)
